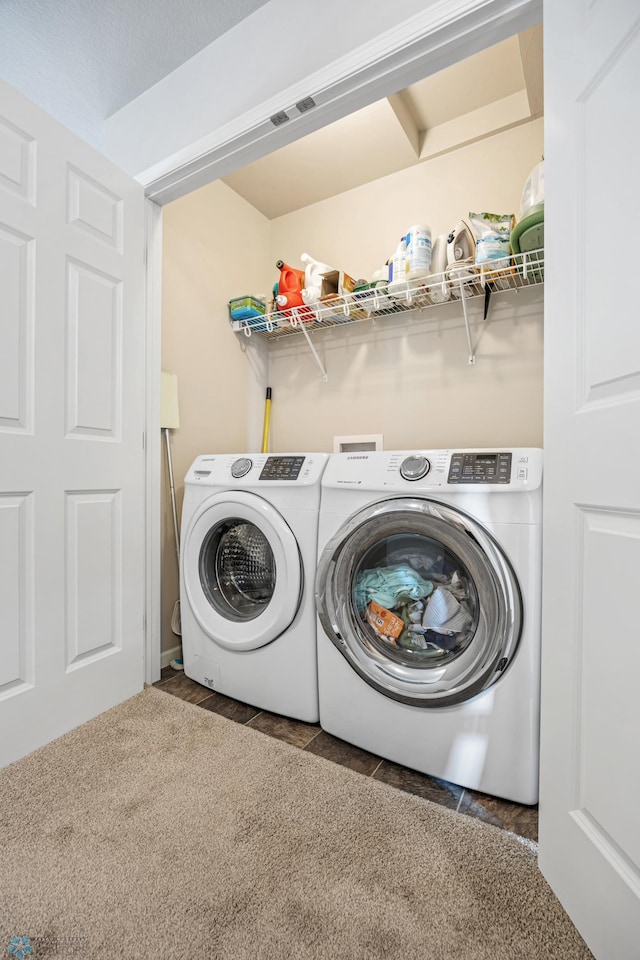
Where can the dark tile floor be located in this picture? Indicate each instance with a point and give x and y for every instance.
(309, 736)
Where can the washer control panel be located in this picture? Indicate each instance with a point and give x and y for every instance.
(282, 468)
(480, 468)
(414, 468)
(241, 467)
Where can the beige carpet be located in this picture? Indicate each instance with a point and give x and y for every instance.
(163, 830)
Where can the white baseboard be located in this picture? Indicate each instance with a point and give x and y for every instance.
(168, 655)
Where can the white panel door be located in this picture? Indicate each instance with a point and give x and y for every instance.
(590, 760)
(71, 430)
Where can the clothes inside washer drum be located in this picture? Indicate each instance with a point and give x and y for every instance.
(245, 563)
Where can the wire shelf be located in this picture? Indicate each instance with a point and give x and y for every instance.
(461, 282)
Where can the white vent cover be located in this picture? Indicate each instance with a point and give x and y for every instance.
(357, 443)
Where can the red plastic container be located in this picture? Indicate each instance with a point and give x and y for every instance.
(289, 296)
(290, 286)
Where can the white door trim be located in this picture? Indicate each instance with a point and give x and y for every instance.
(153, 363)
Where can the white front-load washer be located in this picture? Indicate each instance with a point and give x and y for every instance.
(429, 593)
(248, 556)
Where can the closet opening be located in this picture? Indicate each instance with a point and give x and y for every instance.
(461, 141)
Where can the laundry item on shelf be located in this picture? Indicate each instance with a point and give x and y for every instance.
(398, 269)
(461, 244)
(492, 232)
(251, 311)
(459, 274)
(290, 286)
(418, 251)
(528, 234)
(440, 291)
(533, 192)
(314, 278)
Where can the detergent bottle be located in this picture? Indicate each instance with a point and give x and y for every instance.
(418, 243)
(398, 270)
(290, 286)
(313, 275)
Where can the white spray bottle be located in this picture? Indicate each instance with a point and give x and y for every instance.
(398, 270)
(313, 273)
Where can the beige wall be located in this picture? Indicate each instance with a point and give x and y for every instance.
(405, 376)
(215, 247)
(408, 377)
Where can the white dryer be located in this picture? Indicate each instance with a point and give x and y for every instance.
(429, 593)
(248, 556)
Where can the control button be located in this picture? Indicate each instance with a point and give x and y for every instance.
(241, 467)
(414, 468)
(523, 473)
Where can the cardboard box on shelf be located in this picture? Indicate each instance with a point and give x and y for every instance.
(336, 283)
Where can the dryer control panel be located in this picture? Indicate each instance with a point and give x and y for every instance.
(482, 467)
(257, 471)
(468, 472)
(282, 468)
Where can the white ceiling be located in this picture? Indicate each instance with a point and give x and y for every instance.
(496, 89)
(84, 59)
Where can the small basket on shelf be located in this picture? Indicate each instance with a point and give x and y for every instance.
(251, 312)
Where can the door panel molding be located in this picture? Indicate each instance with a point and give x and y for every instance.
(74, 345)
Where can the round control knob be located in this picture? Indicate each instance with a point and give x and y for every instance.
(414, 468)
(241, 467)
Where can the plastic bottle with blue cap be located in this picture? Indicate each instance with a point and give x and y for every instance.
(398, 285)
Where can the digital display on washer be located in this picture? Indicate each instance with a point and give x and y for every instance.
(282, 468)
(480, 468)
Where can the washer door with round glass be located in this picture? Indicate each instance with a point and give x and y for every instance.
(242, 570)
(420, 600)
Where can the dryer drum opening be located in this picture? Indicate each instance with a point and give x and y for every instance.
(420, 600)
(237, 569)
